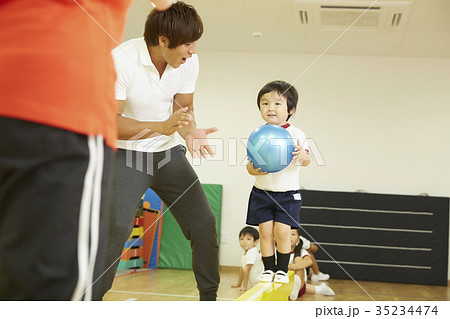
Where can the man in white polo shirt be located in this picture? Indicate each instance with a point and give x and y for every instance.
(156, 78)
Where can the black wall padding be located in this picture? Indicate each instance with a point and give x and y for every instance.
(376, 237)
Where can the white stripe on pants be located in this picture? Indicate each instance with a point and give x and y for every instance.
(89, 220)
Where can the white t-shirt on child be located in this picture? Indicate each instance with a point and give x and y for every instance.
(253, 257)
(288, 178)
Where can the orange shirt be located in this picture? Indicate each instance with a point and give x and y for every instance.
(56, 66)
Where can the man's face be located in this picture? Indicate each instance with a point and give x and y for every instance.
(179, 55)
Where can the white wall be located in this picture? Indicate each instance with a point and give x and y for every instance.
(381, 124)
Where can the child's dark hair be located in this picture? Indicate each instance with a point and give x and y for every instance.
(298, 249)
(180, 24)
(284, 89)
(249, 231)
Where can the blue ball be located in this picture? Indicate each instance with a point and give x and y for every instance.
(270, 147)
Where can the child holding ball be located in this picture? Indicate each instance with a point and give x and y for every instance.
(275, 200)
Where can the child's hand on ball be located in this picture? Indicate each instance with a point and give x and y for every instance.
(300, 155)
(254, 171)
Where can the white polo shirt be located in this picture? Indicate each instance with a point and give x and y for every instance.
(149, 97)
(288, 178)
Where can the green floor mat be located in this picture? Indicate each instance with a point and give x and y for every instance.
(175, 250)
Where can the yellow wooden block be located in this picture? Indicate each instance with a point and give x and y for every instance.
(269, 291)
(137, 232)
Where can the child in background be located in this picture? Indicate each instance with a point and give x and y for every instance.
(299, 261)
(275, 201)
(251, 264)
(314, 272)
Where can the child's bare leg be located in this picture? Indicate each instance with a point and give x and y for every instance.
(313, 249)
(314, 266)
(316, 274)
(266, 235)
(283, 237)
(310, 289)
(301, 274)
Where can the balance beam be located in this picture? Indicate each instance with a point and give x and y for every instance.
(269, 291)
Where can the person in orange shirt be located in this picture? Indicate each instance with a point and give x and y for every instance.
(57, 136)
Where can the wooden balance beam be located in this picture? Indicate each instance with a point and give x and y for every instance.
(269, 291)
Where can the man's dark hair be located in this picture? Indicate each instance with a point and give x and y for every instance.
(180, 24)
(283, 89)
(249, 231)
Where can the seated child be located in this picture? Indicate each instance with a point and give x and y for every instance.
(251, 262)
(300, 260)
(314, 272)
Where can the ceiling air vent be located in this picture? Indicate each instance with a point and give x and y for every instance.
(362, 15)
(396, 19)
(344, 16)
(303, 15)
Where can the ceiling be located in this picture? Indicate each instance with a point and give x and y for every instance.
(230, 24)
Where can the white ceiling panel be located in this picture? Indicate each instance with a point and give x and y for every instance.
(229, 25)
(377, 44)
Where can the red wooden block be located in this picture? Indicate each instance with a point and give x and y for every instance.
(138, 221)
(151, 218)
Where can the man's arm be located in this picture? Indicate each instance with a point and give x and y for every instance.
(132, 129)
(196, 139)
(183, 101)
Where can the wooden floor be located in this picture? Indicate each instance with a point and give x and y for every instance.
(180, 285)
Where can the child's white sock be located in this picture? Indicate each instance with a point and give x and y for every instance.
(297, 286)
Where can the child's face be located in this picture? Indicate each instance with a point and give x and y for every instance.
(247, 242)
(273, 107)
(295, 238)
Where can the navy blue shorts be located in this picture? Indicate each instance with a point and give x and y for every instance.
(282, 207)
